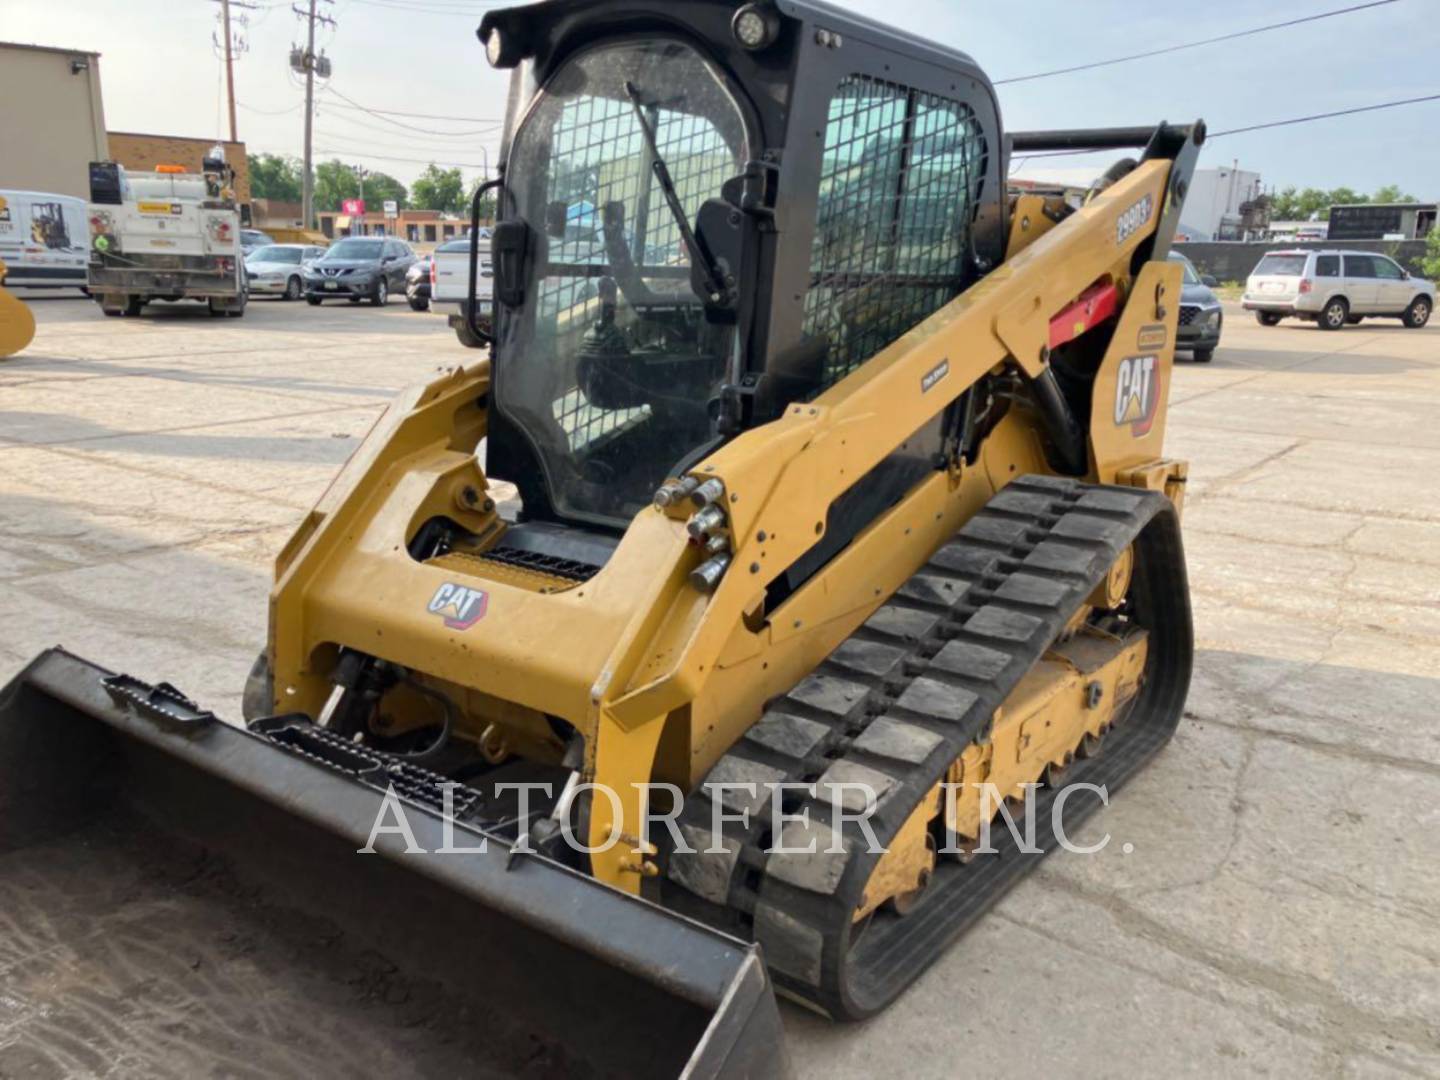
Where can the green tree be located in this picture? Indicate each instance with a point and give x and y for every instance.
(380, 186)
(273, 176)
(1284, 205)
(1311, 201)
(1342, 196)
(1391, 193)
(336, 181)
(440, 189)
(1431, 263)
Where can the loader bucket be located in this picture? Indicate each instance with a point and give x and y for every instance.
(184, 895)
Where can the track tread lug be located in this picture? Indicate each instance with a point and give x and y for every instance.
(793, 736)
(898, 740)
(933, 589)
(833, 786)
(830, 694)
(907, 623)
(869, 657)
(932, 698)
(993, 621)
(818, 870)
(1022, 588)
(972, 661)
(732, 769)
(961, 558)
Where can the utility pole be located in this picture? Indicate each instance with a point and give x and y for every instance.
(232, 47)
(310, 65)
(229, 65)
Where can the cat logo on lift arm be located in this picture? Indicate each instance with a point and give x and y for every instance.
(1137, 393)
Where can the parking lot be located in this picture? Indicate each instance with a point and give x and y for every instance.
(1275, 912)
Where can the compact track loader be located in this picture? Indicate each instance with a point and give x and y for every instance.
(842, 502)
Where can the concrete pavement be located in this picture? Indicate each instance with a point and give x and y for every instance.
(1276, 914)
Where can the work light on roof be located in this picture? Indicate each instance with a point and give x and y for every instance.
(755, 26)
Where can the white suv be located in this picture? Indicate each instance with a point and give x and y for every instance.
(1333, 288)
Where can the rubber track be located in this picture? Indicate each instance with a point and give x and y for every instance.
(900, 700)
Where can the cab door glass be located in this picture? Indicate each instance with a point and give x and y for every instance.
(1327, 266)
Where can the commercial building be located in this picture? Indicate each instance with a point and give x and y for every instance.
(52, 122)
(1382, 221)
(416, 226)
(142, 152)
(1224, 204)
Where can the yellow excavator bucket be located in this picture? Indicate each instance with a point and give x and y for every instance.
(17, 323)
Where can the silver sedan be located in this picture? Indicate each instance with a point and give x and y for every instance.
(279, 269)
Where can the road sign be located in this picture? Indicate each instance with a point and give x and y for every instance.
(353, 206)
(392, 208)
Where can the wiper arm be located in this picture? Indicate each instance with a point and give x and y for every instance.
(715, 288)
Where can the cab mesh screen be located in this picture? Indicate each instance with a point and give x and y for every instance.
(899, 190)
(600, 157)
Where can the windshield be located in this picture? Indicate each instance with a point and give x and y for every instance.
(610, 366)
(1187, 271)
(275, 255)
(1281, 265)
(356, 249)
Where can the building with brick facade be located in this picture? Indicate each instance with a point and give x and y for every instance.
(142, 153)
(415, 226)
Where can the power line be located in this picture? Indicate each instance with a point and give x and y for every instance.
(407, 161)
(1195, 44)
(422, 116)
(1257, 127)
(409, 127)
(339, 139)
(1328, 115)
(431, 137)
(271, 112)
(454, 13)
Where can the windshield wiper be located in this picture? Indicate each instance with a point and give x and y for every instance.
(715, 289)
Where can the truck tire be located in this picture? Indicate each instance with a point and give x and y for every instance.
(133, 304)
(382, 294)
(1418, 313)
(1202, 356)
(237, 309)
(293, 289)
(313, 301)
(1267, 318)
(418, 303)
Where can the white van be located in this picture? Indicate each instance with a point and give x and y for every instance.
(44, 239)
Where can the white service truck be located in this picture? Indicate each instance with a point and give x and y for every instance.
(450, 280)
(165, 235)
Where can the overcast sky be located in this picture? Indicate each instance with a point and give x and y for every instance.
(160, 74)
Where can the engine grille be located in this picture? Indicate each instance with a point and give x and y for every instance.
(1188, 314)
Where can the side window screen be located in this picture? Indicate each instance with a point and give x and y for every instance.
(1327, 265)
(899, 188)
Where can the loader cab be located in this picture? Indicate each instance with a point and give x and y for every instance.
(710, 212)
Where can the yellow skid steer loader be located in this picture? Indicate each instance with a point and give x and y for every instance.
(843, 526)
